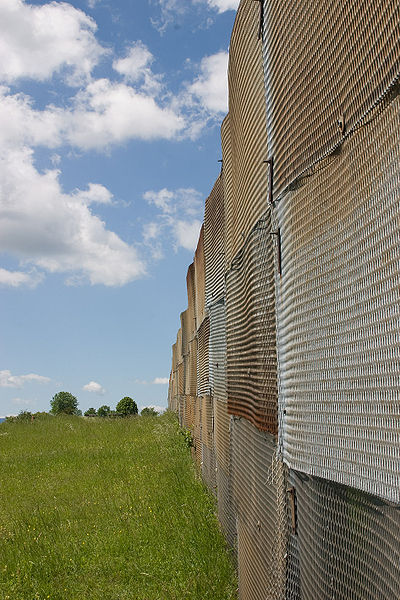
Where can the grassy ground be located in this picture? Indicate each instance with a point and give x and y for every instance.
(106, 509)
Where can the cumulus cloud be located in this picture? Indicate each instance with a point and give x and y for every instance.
(16, 279)
(223, 5)
(38, 41)
(211, 87)
(135, 68)
(179, 217)
(57, 232)
(18, 381)
(95, 388)
(161, 381)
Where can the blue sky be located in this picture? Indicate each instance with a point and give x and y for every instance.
(109, 144)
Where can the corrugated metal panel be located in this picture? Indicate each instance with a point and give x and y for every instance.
(198, 451)
(260, 501)
(189, 412)
(218, 350)
(226, 511)
(208, 468)
(214, 244)
(179, 355)
(339, 314)
(324, 61)
(200, 277)
(203, 382)
(191, 369)
(191, 293)
(185, 327)
(222, 434)
(207, 421)
(227, 180)
(250, 328)
(349, 542)
(248, 135)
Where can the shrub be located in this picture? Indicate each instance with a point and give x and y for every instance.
(104, 411)
(127, 406)
(64, 403)
(149, 411)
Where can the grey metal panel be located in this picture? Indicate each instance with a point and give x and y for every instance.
(259, 491)
(339, 314)
(209, 468)
(203, 376)
(214, 243)
(226, 511)
(349, 542)
(218, 350)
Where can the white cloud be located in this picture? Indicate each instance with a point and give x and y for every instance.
(179, 218)
(223, 5)
(161, 381)
(43, 226)
(159, 409)
(15, 279)
(18, 381)
(95, 388)
(211, 87)
(96, 193)
(38, 41)
(135, 67)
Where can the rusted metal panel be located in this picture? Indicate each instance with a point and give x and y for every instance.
(203, 379)
(251, 330)
(217, 358)
(214, 243)
(222, 433)
(327, 64)
(259, 490)
(209, 468)
(339, 314)
(191, 369)
(207, 421)
(246, 197)
(200, 280)
(348, 541)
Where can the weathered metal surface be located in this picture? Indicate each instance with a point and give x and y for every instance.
(259, 493)
(217, 355)
(222, 434)
(245, 190)
(348, 541)
(191, 369)
(214, 243)
(327, 64)
(200, 279)
(209, 468)
(339, 314)
(251, 330)
(207, 421)
(191, 293)
(203, 378)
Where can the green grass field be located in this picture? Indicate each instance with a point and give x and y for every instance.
(106, 509)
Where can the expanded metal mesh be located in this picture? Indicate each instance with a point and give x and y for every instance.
(259, 492)
(203, 378)
(250, 328)
(214, 246)
(200, 280)
(327, 64)
(339, 314)
(217, 355)
(246, 149)
(349, 542)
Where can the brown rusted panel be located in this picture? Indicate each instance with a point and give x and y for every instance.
(207, 422)
(191, 369)
(339, 314)
(209, 468)
(246, 198)
(200, 279)
(251, 331)
(222, 434)
(203, 381)
(214, 243)
(327, 64)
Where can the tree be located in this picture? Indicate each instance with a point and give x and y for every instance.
(64, 403)
(103, 411)
(149, 411)
(91, 412)
(127, 406)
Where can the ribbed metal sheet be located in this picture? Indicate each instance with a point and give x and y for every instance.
(218, 350)
(207, 421)
(189, 412)
(226, 511)
(260, 501)
(324, 62)
(185, 327)
(214, 243)
(209, 468)
(196, 433)
(246, 199)
(191, 293)
(227, 179)
(222, 434)
(251, 331)
(191, 369)
(203, 378)
(349, 542)
(200, 278)
(339, 316)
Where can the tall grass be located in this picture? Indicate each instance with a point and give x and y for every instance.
(106, 509)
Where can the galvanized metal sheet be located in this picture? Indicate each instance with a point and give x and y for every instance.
(327, 64)
(245, 190)
(251, 330)
(339, 314)
(217, 358)
(214, 243)
(259, 492)
(348, 541)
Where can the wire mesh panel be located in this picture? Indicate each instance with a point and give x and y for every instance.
(327, 64)
(218, 350)
(214, 244)
(250, 328)
(260, 501)
(203, 379)
(200, 278)
(246, 198)
(339, 314)
(349, 542)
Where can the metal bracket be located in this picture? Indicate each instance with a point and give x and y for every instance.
(261, 27)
